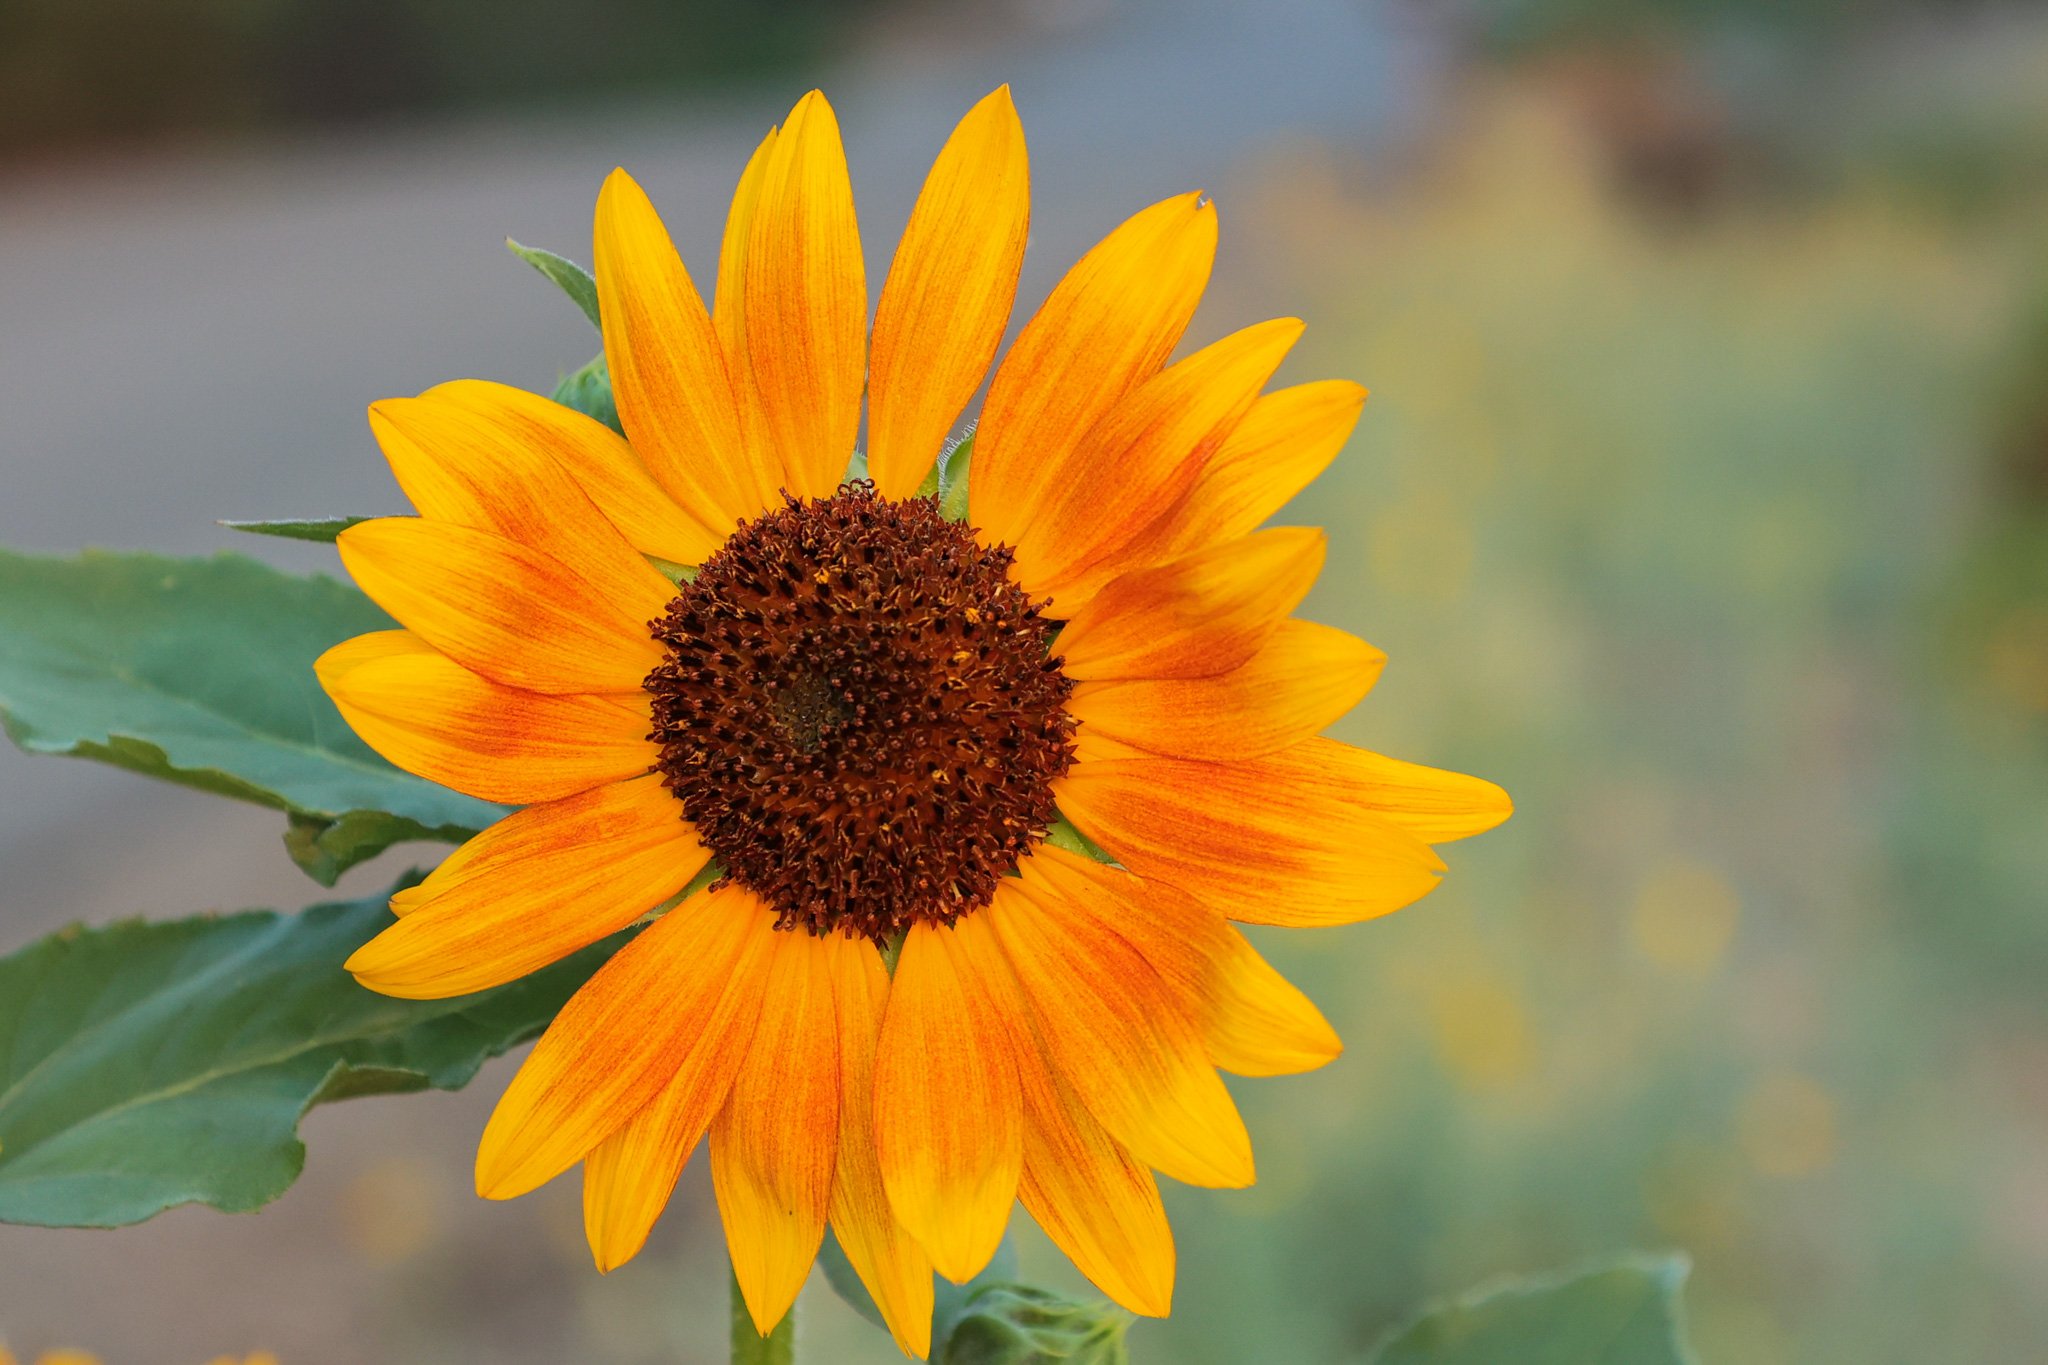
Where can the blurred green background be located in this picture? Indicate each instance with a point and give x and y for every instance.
(1702, 501)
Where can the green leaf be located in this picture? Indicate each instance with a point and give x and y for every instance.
(145, 1065)
(845, 1281)
(952, 485)
(200, 671)
(320, 529)
(1015, 1324)
(1626, 1313)
(589, 391)
(568, 276)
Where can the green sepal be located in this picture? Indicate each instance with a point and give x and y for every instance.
(1627, 1312)
(1016, 1324)
(149, 1064)
(589, 391)
(200, 672)
(322, 530)
(1062, 834)
(929, 488)
(953, 468)
(571, 278)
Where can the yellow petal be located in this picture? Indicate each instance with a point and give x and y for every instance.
(806, 299)
(1303, 678)
(1255, 840)
(1196, 617)
(1254, 1022)
(678, 399)
(728, 308)
(1106, 327)
(776, 1141)
(1095, 1201)
(515, 615)
(624, 1038)
(949, 293)
(477, 455)
(433, 717)
(1287, 438)
(1261, 1024)
(948, 1127)
(628, 1178)
(533, 888)
(1138, 463)
(598, 459)
(890, 1263)
(1432, 804)
(1119, 1036)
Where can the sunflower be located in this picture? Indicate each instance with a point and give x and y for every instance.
(965, 807)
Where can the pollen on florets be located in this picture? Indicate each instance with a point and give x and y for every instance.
(859, 714)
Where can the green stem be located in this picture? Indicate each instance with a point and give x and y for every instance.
(749, 1347)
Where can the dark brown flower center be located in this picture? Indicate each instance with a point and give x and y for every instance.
(859, 715)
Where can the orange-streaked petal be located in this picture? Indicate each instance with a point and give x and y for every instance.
(806, 298)
(627, 1178)
(535, 887)
(1139, 462)
(776, 1141)
(1288, 437)
(1095, 1201)
(1255, 840)
(678, 399)
(948, 1123)
(433, 717)
(1434, 805)
(1106, 327)
(1119, 1036)
(1201, 615)
(598, 459)
(949, 293)
(1303, 678)
(728, 306)
(476, 455)
(624, 1038)
(1254, 1022)
(895, 1269)
(515, 615)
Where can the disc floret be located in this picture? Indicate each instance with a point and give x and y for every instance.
(859, 713)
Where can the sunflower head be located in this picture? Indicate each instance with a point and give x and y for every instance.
(859, 713)
(852, 720)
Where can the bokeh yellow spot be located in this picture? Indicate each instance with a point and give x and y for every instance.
(2016, 659)
(394, 1210)
(1787, 1125)
(1685, 914)
(1482, 1031)
(64, 1357)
